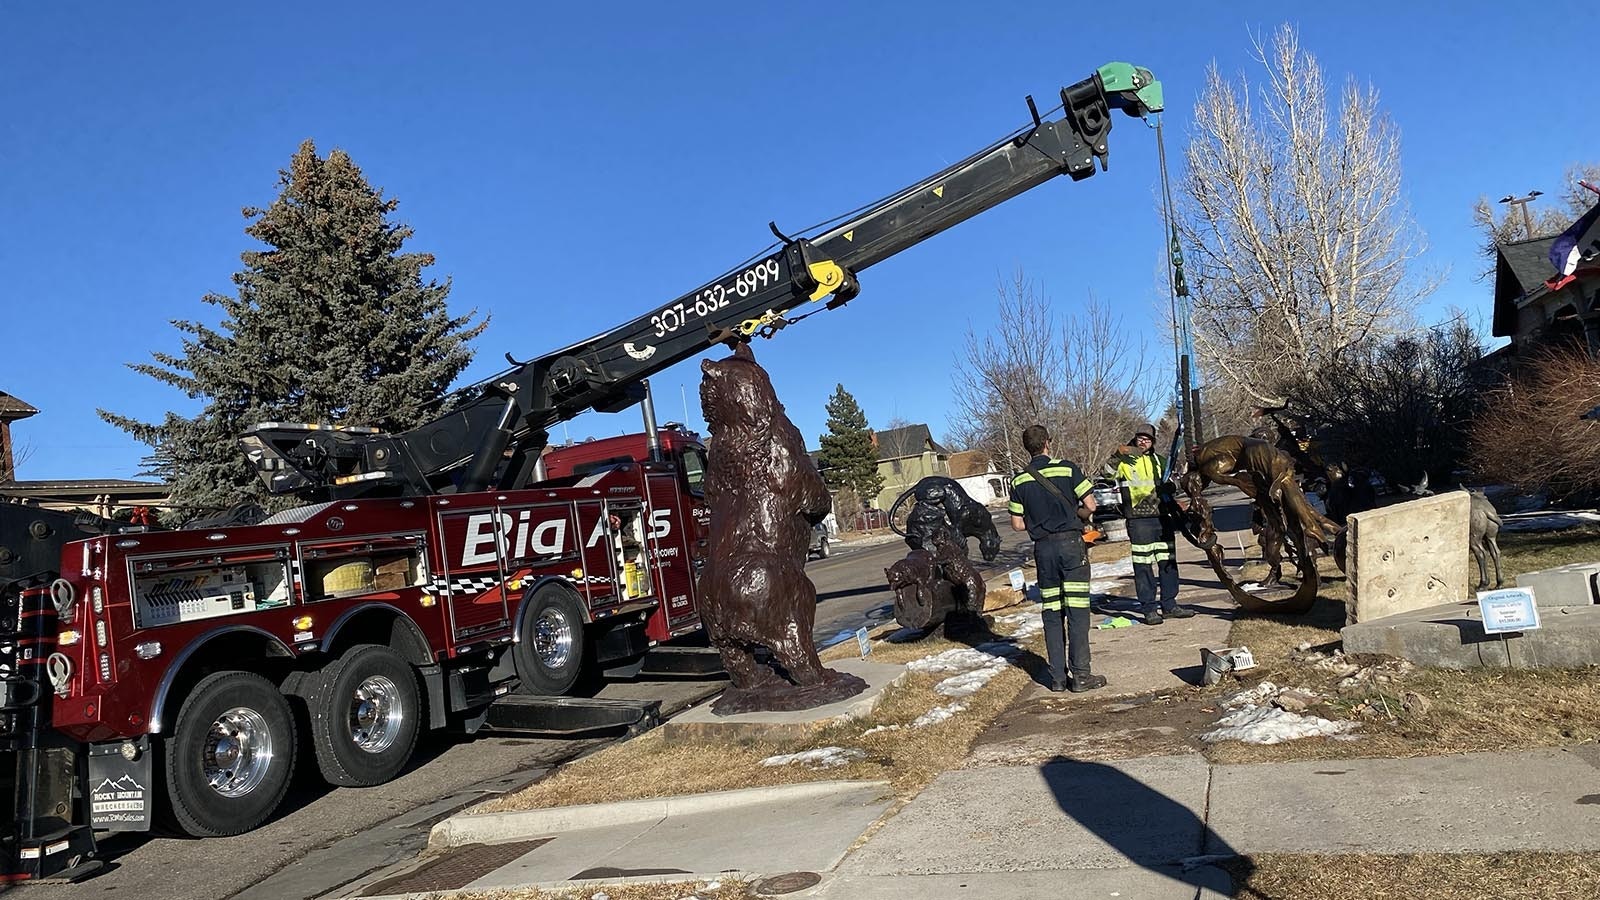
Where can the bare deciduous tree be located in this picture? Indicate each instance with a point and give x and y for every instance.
(1298, 239)
(1084, 377)
(1501, 224)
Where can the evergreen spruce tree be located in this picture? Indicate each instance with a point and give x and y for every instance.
(332, 323)
(847, 456)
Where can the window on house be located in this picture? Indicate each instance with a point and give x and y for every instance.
(994, 485)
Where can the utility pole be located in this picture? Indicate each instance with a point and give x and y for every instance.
(1522, 203)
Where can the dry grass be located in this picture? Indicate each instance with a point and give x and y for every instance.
(1459, 711)
(907, 758)
(659, 890)
(1430, 876)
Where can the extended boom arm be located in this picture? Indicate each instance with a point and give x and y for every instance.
(497, 428)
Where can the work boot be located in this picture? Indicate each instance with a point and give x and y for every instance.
(1153, 617)
(1180, 612)
(1087, 683)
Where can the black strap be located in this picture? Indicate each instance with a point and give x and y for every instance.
(1071, 505)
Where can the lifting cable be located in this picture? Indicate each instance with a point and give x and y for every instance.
(1178, 299)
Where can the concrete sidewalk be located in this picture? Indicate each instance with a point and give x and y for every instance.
(1140, 828)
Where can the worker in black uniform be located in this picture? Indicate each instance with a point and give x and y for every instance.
(1045, 502)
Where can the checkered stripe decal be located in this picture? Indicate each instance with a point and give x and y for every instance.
(477, 584)
(472, 584)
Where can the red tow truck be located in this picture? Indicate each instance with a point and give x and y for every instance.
(163, 678)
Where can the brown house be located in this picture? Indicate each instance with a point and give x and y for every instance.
(1532, 315)
(11, 410)
(102, 496)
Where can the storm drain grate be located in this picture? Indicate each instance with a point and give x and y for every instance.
(454, 870)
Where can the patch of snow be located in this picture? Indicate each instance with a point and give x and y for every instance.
(1250, 587)
(1548, 520)
(937, 714)
(962, 659)
(999, 648)
(1253, 697)
(877, 728)
(1028, 629)
(967, 683)
(1270, 725)
(820, 758)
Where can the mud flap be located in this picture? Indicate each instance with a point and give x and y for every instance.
(120, 789)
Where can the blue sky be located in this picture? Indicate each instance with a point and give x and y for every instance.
(574, 167)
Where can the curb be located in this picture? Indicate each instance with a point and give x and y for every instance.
(587, 883)
(490, 828)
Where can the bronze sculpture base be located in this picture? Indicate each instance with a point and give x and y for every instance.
(833, 687)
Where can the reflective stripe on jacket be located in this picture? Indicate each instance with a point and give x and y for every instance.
(1138, 476)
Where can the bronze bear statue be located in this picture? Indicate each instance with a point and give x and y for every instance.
(765, 495)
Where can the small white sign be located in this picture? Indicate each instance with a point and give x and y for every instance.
(1017, 582)
(1508, 609)
(863, 642)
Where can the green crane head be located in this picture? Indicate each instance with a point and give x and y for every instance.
(1131, 89)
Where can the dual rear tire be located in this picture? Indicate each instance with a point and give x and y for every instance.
(231, 755)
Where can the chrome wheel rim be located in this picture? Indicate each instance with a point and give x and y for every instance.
(238, 752)
(376, 714)
(552, 638)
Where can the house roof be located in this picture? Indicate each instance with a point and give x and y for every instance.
(11, 408)
(1520, 271)
(78, 488)
(911, 440)
(968, 462)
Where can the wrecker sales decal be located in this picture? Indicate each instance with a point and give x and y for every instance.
(520, 537)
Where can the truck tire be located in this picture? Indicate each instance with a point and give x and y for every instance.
(550, 656)
(823, 549)
(229, 760)
(365, 714)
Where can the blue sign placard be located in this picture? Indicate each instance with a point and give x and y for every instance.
(1508, 609)
(863, 642)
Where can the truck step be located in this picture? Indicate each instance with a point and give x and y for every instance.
(683, 661)
(524, 714)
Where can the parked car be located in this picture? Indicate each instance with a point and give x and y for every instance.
(820, 541)
(1107, 499)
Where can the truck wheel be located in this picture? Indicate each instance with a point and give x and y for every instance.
(230, 757)
(549, 657)
(823, 549)
(365, 714)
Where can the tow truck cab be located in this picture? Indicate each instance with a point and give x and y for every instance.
(678, 446)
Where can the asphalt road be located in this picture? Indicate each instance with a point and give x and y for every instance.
(325, 837)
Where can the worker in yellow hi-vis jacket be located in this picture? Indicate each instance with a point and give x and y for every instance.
(1139, 473)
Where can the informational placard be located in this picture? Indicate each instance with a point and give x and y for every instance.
(1508, 609)
(863, 642)
(1017, 582)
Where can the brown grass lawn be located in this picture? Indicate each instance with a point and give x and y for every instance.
(1480, 709)
(649, 766)
(1431, 876)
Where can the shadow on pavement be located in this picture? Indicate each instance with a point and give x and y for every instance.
(1144, 825)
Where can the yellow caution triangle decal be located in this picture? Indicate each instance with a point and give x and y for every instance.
(939, 191)
(850, 235)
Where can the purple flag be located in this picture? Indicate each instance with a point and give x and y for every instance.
(1580, 243)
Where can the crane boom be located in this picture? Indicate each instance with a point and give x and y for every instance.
(497, 428)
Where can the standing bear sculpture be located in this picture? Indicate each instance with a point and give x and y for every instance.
(765, 495)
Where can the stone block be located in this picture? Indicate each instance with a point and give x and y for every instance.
(1407, 556)
(1577, 584)
(1451, 636)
